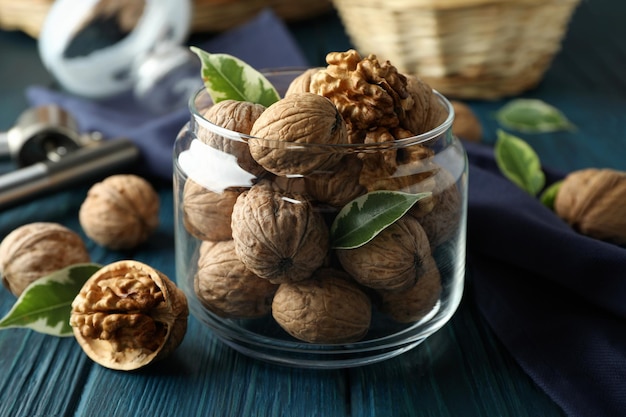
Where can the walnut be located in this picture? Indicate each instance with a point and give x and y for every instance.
(428, 111)
(128, 314)
(38, 249)
(206, 214)
(226, 287)
(442, 222)
(302, 118)
(237, 116)
(414, 303)
(120, 212)
(592, 201)
(368, 93)
(302, 83)
(392, 260)
(339, 186)
(329, 308)
(278, 235)
(466, 124)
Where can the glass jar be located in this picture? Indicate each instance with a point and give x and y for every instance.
(210, 180)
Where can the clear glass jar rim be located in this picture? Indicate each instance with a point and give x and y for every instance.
(398, 143)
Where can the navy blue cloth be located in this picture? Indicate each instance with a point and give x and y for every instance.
(554, 297)
(264, 42)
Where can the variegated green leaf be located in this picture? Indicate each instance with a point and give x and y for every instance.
(228, 78)
(46, 304)
(519, 163)
(548, 197)
(532, 116)
(366, 216)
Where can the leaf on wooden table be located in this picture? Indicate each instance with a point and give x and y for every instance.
(229, 78)
(46, 304)
(366, 216)
(519, 163)
(532, 116)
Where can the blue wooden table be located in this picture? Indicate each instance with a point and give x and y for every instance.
(462, 370)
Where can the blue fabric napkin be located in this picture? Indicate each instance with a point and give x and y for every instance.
(264, 42)
(555, 298)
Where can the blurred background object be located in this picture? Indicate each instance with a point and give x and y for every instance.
(469, 49)
(207, 16)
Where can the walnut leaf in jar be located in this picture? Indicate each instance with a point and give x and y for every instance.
(128, 315)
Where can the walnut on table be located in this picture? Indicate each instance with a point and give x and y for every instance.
(35, 250)
(120, 212)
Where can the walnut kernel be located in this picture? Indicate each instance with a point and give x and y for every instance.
(38, 249)
(128, 315)
(120, 212)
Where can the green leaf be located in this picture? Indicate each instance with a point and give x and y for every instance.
(532, 116)
(228, 78)
(46, 304)
(366, 216)
(548, 197)
(519, 163)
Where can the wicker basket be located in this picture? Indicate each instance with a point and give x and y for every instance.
(468, 49)
(208, 15)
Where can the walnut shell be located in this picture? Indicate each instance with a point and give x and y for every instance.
(278, 235)
(303, 118)
(392, 260)
(206, 214)
(466, 124)
(120, 212)
(339, 186)
(414, 303)
(592, 202)
(128, 314)
(427, 113)
(238, 116)
(329, 308)
(302, 83)
(442, 222)
(226, 287)
(38, 249)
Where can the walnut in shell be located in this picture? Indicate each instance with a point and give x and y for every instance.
(302, 83)
(206, 214)
(466, 124)
(329, 308)
(120, 212)
(442, 222)
(298, 119)
(278, 235)
(237, 116)
(38, 249)
(128, 315)
(428, 112)
(392, 260)
(339, 186)
(414, 303)
(592, 201)
(226, 287)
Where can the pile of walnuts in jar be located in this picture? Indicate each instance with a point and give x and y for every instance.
(266, 248)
